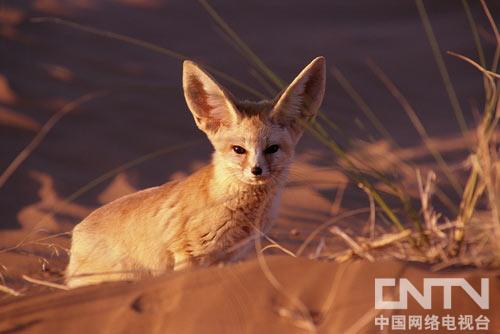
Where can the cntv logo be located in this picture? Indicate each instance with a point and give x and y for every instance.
(424, 299)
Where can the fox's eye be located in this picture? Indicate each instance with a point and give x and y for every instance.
(271, 149)
(238, 149)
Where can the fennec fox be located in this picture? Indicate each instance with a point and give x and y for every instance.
(201, 219)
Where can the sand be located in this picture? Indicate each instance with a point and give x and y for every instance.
(312, 295)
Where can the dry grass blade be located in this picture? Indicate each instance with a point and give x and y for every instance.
(495, 31)
(281, 248)
(477, 40)
(35, 242)
(442, 67)
(274, 244)
(337, 202)
(491, 21)
(299, 315)
(246, 51)
(372, 210)
(426, 191)
(9, 291)
(25, 153)
(356, 248)
(327, 307)
(489, 74)
(475, 34)
(388, 239)
(329, 222)
(45, 283)
(363, 321)
(361, 103)
(146, 45)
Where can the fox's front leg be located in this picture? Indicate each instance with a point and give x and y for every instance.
(182, 261)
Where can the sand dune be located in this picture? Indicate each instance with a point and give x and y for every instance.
(312, 295)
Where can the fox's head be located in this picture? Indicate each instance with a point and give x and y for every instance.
(254, 141)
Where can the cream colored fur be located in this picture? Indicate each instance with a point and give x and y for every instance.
(206, 217)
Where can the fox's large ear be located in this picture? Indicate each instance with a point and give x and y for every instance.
(302, 98)
(211, 105)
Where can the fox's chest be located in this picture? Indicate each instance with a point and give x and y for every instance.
(233, 224)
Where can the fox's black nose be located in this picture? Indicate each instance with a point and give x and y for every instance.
(256, 170)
